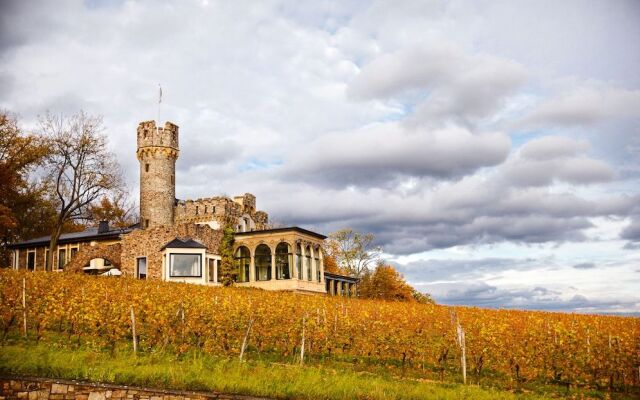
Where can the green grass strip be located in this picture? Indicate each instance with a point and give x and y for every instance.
(207, 373)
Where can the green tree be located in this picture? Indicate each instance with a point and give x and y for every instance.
(227, 262)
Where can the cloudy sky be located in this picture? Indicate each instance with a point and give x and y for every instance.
(492, 147)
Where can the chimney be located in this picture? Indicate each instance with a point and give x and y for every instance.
(103, 227)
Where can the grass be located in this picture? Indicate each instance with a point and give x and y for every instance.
(208, 373)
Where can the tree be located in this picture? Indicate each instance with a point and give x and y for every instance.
(227, 262)
(116, 209)
(385, 283)
(353, 252)
(81, 167)
(22, 198)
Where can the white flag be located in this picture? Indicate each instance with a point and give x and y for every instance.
(160, 96)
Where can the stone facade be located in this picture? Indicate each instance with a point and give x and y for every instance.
(31, 388)
(149, 242)
(218, 211)
(157, 153)
(112, 253)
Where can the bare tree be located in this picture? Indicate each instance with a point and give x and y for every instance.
(81, 167)
(354, 252)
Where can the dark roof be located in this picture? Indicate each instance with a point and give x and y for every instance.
(280, 230)
(183, 244)
(89, 234)
(341, 277)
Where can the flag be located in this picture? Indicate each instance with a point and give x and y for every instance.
(160, 96)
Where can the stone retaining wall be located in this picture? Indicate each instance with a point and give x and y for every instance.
(32, 388)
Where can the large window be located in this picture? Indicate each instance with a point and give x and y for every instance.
(141, 268)
(243, 263)
(62, 258)
(307, 251)
(186, 265)
(263, 263)
(283, 261)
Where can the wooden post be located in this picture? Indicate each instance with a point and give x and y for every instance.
(302, 344)
(246, 338)
(133, 331)
(24, 307)
(463, 351)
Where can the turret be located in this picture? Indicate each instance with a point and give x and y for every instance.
(157, 153)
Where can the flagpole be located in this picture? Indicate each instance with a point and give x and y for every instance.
(159, 102)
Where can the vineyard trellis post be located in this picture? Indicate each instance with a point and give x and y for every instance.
(24, 307)
(133, 331)
(302, 343)
(246, 338)
(460, 340)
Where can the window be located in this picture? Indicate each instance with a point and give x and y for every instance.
(74, 251)
(146, 223)
(146, 168)
(197, 210)
(299, 261)
(141, 267)
(62, 258)
(307, 251)
(263, 263)
(31, 260)
(212, 269)
(243, 263)
(317, 261)
(186, 265)
(173, 180)
(283, 261)
(219, 270)
(205, 209)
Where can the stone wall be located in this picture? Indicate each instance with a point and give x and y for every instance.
(88, 253)
(149, 242)
(29, 388)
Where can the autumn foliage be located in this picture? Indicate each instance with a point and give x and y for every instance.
(385, 283)
(514, 346)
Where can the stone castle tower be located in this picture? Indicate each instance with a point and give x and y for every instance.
(157, 153)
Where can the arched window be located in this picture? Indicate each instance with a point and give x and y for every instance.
(283, 261)
(299, 260)
(243, 263)
(263, 263)
(307, 254)
(316, 259)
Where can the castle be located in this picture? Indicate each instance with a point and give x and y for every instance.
(179, 240)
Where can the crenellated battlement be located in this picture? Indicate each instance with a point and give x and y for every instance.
(151, 136)
(219, 210)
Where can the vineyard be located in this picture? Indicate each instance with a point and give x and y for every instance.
(513, 347)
